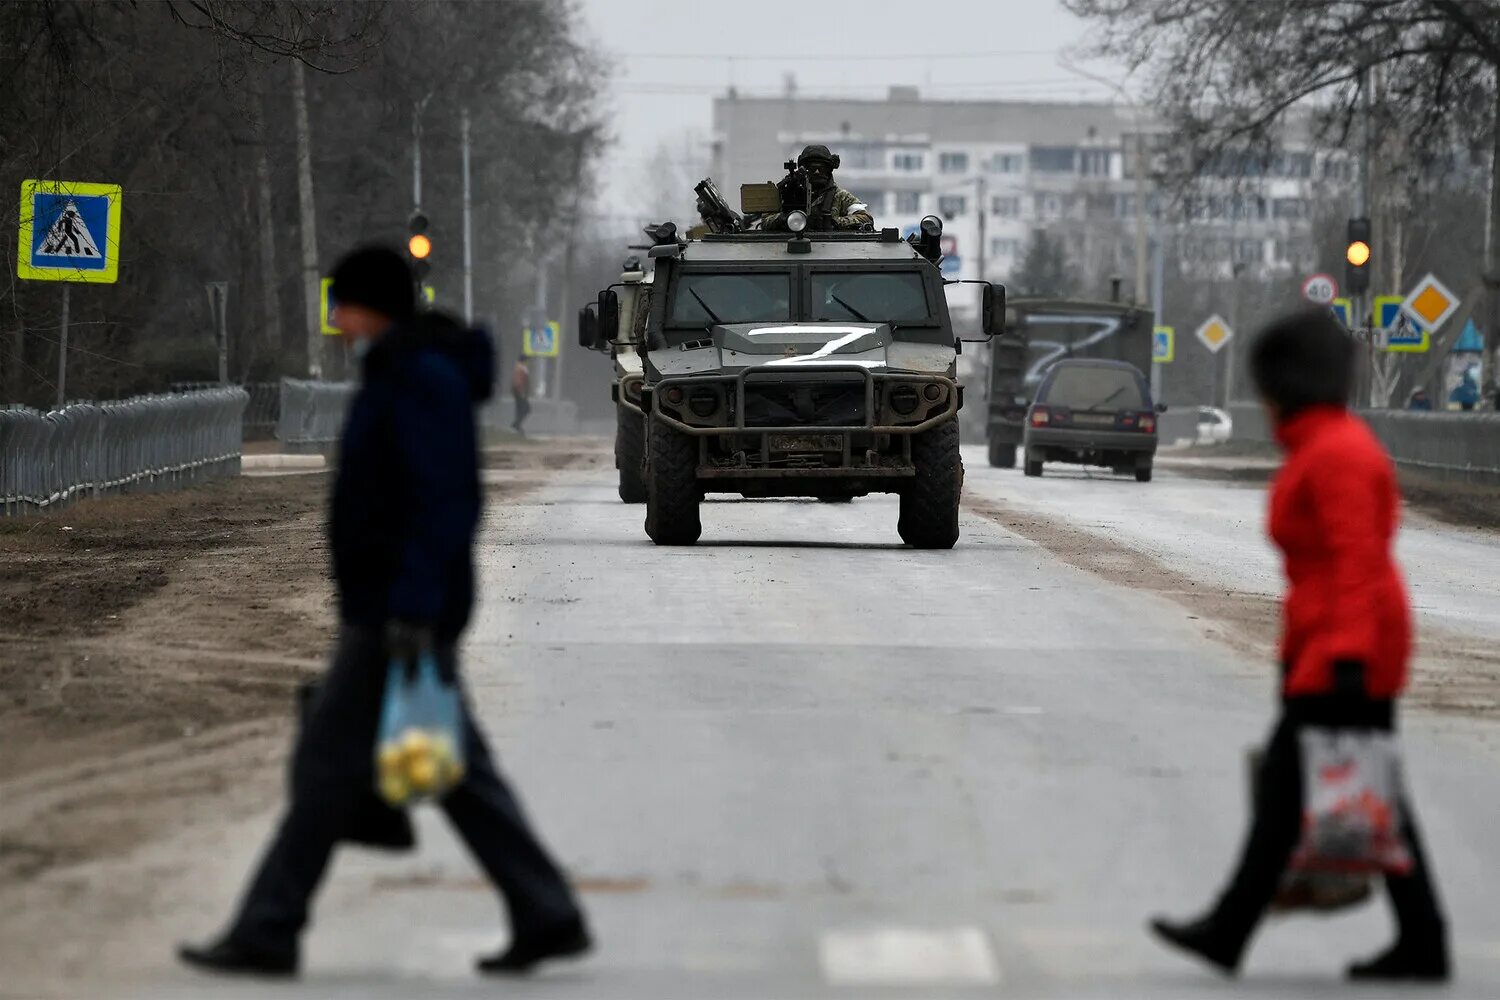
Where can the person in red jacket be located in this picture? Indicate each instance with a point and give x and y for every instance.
(1345, 643)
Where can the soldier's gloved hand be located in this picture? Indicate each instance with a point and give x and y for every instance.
(405, 641)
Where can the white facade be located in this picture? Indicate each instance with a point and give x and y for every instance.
(1065, 168)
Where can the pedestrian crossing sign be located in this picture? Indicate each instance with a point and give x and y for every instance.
(1343, 310)
(1163, 345)
(70, 231)
(326, 305)
(542, 341)
(1401, 333)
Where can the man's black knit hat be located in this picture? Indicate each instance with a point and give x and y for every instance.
(377, 278)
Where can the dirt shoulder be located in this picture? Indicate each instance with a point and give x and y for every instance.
(151, 647)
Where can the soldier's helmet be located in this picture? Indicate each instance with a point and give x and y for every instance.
(818, 152)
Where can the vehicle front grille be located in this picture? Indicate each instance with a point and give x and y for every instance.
(805, 404)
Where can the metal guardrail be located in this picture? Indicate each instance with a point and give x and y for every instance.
(312, 414)
(263, 411)
(147, 443)
(1456, 447)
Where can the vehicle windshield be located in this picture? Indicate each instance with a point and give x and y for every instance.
(870, 296)
(702, 300)
(1085, 387)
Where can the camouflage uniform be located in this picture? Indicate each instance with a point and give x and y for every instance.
(834, 209)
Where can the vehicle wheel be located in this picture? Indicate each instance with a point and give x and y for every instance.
(672, 491)
(929, 504)
(630, 454)
(1033, 467)
(1143, 473)
(1002, 455)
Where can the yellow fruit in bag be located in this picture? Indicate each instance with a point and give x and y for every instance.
(415, 743)
(388, 758)
(422, 773)
(394, 789)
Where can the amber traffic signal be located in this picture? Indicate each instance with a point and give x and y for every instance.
(1357, 256)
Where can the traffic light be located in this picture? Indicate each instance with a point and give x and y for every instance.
(1357, 257)
(419, 245)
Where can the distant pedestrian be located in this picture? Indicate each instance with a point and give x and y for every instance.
(520, 389)
(1419, 400)
(1345, 642)
(1466, 393)
(405, 507)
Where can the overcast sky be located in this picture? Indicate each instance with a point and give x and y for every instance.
(672, 57)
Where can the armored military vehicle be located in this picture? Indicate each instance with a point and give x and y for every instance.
(1040, 332)
(800, 364)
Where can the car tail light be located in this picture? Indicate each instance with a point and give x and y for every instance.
(1040, 416)
(1148, 423)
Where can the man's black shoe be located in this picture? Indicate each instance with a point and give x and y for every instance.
(1205, 939)
(227, 957)
(567, 940)
(1401, 962)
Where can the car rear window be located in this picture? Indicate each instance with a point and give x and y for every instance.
(1089, 388)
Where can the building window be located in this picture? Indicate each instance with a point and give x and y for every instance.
(1003, 246)
(1007, 163)
(906, 162)
(1093, 162)
(908, 201)
(1054, 159)
(951, 206)
(861, 156)
(953, 163)
(1288, 208)
(1006, 206)
(1049, 206)
(1125, 206)
(1248, 252)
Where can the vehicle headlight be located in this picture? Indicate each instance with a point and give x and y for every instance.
(796, 221)
(932, 391)
(904, 398)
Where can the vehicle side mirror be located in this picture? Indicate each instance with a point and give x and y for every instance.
(588, 329)
(992, 310)
(1161, 407)
(609, 316)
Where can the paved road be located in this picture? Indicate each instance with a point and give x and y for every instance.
(800, 760)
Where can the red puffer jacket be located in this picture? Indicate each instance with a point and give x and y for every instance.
(1334, 511)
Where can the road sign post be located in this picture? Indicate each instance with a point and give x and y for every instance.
(542, 340)
(69, 231)
(1214, 334)
(1163, 345)
(1430, 303)
(1320, 289)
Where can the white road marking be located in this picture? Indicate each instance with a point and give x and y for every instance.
(907, 956)
(1023, 710)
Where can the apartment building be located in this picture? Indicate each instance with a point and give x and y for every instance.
(1008, 168)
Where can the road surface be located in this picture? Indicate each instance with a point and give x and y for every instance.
(799, 759)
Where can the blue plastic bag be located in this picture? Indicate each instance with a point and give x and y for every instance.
(419, 747)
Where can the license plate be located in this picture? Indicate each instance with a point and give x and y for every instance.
(1094, 419)
(806, 442)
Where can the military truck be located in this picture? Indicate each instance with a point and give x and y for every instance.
(800, 364)
(1039, 332)
(633, 295)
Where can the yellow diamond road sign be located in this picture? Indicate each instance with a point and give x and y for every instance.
(1215, 333)
(1430, 303)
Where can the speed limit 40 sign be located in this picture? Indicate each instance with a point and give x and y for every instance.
(1320, 289)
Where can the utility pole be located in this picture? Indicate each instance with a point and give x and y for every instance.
(468, 224)
(311, 279)
(982, 194)
(62, 349)
(1360, 303)
(1140, 212)
(1490, 358)
(1157, 280)
(270, 292)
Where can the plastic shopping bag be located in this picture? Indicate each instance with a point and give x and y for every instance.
(419, 746)
(1351, 803)
(1317, 891)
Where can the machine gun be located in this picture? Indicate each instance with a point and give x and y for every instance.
(795, 189)
(715, 211)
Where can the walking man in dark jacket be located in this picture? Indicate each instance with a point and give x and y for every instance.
(405, 507)
(1345, 640)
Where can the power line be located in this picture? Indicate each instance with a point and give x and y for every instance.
(812, 93)
(823, 57)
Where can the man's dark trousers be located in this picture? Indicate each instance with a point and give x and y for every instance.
(523, 410)
(333, 766)
(1277, 826)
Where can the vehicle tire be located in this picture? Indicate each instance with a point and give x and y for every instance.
(630, 454)
(672, 490)
(1143, 473)
(1033, 467)
(1002, 455)
(929, 504)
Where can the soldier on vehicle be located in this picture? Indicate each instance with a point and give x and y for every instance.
(833, 208)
